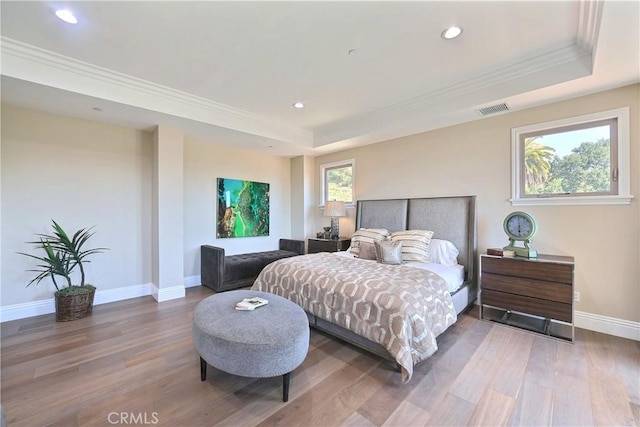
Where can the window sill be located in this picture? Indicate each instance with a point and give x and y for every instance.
(574, 200)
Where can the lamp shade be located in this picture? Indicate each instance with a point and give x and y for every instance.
(334, 208)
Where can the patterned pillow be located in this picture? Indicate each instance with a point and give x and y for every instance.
(415, 244)
(389, 252)
(367, 251)
(370, 235)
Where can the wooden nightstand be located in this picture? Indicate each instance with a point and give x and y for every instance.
(534, 294)
(327, 245)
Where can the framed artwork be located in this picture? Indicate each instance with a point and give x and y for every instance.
(243, 208)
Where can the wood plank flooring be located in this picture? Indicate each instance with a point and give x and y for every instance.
(133, 363)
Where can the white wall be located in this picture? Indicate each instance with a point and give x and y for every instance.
(204, 162)
(302, 197)
(167, 213)
(84, 173)
(81, 174)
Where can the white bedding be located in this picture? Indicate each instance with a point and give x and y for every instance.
(453, 276)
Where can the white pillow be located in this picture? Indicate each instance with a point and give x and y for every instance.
(369, 235)
(443, 252)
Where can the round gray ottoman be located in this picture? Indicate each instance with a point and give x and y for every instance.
(268, 341)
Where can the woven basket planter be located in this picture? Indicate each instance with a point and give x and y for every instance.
(74, 306)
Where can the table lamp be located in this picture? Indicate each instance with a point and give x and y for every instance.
(335, 209)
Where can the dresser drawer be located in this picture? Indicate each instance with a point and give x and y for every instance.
(551, 272)
(551, 291)
(525, 304)
(533, 294)
(326, 245)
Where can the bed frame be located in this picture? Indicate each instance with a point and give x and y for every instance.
(450, 218)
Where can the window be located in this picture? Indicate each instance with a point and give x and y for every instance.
(580, 160)
(337, 181)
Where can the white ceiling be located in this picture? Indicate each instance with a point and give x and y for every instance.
(229, 72)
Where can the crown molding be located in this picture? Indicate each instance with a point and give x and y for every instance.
(565, 62)
(589, 25)
(555, 66)
(27, 62)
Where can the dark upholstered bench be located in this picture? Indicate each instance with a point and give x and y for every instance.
(222, 273)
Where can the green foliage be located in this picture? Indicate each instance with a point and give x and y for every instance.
(54, 263)
(537, 159)
(342, 194)
(62, 254)
(585, 170)
(339, 184)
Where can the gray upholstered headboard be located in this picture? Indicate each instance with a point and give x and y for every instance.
(450, 218)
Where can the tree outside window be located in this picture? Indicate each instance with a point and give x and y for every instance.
(578, 160)
(581, 163)
(337, 181)
(339, 184)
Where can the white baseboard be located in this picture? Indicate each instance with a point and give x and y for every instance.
(36, 308)
(47, 306)
(191, 281)
(166, 294)
(174, 292)
(607, 325)
(27, 309)
(119, 294)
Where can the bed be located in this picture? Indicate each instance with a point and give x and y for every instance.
(324, 284)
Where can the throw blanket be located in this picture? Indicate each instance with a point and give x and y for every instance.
(401, 308)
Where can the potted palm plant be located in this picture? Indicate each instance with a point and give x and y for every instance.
(62, 255)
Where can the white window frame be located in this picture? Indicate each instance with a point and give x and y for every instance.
(323, 183)
(624, 171)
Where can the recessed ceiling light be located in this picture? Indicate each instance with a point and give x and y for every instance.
(67, 16)
(451, 33)
(298, 105)
(353, 52)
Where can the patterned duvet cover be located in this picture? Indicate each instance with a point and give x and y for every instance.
(401, 308)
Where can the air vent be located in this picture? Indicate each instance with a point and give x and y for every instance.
(493, 109)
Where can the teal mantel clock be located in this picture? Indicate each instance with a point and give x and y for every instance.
(520, 227)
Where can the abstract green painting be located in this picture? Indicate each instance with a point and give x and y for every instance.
(243, 208)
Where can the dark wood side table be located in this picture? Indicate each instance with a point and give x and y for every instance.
(328, 245)
(535, 294)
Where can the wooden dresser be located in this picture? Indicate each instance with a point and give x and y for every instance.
(534, 294)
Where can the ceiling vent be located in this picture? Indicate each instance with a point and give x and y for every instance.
(493, 109)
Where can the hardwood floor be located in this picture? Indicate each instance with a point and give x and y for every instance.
(133, 363)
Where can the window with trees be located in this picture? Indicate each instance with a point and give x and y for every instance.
(337, 181)
(581, 160)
